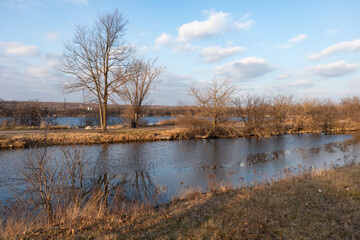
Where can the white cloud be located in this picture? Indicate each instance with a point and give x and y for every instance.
(216, 23)
(26, 79)
(52, 36)
(20, 49)
(335, 69)
(298, 38)
(244, 69)
(164, 40)
(214, 54)
(339, 47)
(244, 24)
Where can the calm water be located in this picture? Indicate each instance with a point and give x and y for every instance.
(171, 166)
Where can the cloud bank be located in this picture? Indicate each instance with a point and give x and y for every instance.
(336, 48)
(336, 69)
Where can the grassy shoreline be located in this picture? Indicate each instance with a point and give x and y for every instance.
(321, 204)
(32, 138)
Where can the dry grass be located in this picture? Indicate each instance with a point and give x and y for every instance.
(315, 205)
(10, 141)
(185, 128)
(167, 122)
(70, 137)
(51, 127)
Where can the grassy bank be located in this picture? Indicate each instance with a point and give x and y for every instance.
(25, 138)
(21, 139)
(315, 205)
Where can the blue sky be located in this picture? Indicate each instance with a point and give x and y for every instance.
(304, 48)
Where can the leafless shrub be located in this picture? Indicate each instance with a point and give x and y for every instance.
(279, 110)
(194, 126)
(253, 111)
(169, 122)
(350, 107)
(213, 102)
(51, 183)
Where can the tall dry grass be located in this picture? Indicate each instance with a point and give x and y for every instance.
(316, 204)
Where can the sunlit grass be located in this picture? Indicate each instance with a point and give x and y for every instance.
(321, 204)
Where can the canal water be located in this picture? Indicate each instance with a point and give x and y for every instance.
(160, 170)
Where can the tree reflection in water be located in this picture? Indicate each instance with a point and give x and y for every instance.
(132, 182)
(140, 186)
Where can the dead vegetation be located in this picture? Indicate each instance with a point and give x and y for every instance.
(321, 204)
(67, 137)
(217, 117)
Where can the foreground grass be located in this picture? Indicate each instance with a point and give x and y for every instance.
(315, 205)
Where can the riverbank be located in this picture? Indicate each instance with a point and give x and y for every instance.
(24, 138)
(31, 138)
(323, 204)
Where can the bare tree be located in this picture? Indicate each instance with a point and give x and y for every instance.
(141, 77)
(97, 59)
(214, 100)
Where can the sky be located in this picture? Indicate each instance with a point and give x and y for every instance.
(303, 48)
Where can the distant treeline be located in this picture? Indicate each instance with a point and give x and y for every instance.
(31, 112)
(257, 114)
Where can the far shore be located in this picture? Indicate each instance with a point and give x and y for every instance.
(25, 138)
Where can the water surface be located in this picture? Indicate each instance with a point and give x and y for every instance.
(143, 169)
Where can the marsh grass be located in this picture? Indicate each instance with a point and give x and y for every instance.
(69, 138)
(316, 204)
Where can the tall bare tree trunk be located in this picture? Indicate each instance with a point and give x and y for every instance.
(136, 118)
(104, 118)
(97, 58)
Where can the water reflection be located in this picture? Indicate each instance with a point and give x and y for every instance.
(264, 157)
(158, 170)
(132, 176)
(139, 185)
